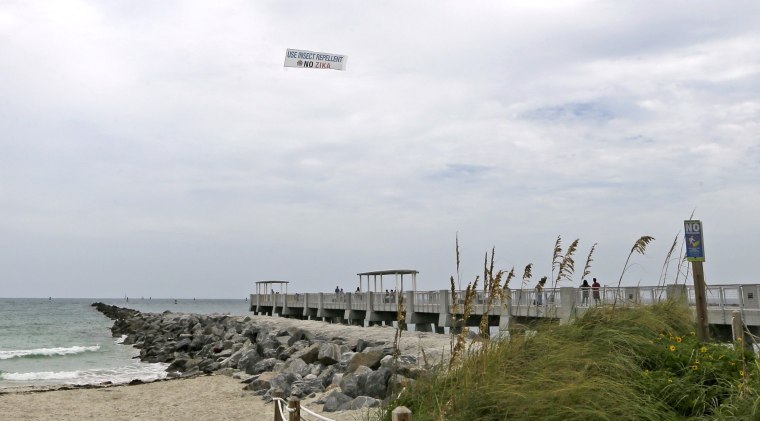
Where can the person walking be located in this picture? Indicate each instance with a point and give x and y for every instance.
(585, 287)
(595, 292)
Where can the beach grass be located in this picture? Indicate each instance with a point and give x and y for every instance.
(632, 363)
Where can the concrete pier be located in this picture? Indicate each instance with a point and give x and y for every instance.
(433, 310)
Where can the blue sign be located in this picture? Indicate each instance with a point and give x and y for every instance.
(695, 244)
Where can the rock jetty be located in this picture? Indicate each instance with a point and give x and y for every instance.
(346, 371)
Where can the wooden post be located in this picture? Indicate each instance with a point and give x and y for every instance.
(294, 414)
(401, 413)
(737, 327)
(277, 413)
(703, 327)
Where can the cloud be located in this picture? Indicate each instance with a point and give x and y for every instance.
(166, 142)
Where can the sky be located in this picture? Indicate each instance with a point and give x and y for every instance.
(162, 149)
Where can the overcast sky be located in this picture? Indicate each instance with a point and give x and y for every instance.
(162, 149)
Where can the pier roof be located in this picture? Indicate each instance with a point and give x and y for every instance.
(399, 283)
(261, 286)
(390, 272)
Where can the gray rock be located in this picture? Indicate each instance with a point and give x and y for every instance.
(298, 334)
(268, 364)
(317, 368)
(248, 361)
(370, 358)
(376, 385)
(334, 401)
(361, 344)
(305, 387)
(360, 402)
(406, 365)
(308, 354)
(297, 366)
(262, 382)
(354, 383)
(329, 353)
(208, 366)
(284, 382)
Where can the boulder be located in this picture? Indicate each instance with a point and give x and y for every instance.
(370, 358)
(305, 387)
(329, 353)
(309, 354)
(261, 382)
(406, 365)
(360, 402)
(284, 382)
(248, 361)
(335, 400)
(352, 384)
(297, 366)
(376, 384)
(298, 334)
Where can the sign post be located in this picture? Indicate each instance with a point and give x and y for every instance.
(695, 253)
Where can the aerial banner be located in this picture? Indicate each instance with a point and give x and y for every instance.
(313, 60)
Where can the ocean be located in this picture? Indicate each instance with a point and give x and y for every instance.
(48, 342)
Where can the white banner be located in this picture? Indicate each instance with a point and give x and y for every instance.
(314, 60)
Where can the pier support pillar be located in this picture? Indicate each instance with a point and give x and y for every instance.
(567, 304)
(423, 327)
(444, 308)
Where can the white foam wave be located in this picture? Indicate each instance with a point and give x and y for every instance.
(42, 375)
(141, 371)
(121, 339)
(47, 352)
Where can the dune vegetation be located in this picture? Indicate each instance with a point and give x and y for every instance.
(611, 363)
(629, 363)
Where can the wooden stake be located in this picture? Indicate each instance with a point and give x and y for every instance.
(295, 409)
(401, 413)
(703, 327)
(737, 328)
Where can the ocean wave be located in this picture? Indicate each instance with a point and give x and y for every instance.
(41, 375)
(121, 375)
(121, 339)
(47, 352)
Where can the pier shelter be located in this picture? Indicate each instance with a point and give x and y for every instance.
(398, 279)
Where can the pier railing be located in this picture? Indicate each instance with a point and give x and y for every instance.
(561, 303)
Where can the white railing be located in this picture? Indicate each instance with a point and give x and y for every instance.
(723, 297)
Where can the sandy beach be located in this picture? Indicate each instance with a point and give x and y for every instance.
(215, 397)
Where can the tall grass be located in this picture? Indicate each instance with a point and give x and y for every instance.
(668, 259)
(589, 259)
(640, 362)
(607, 365)
(557, 254)
(640, 247)
(566, 264)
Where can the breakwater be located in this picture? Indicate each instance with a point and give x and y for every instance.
(349, 369)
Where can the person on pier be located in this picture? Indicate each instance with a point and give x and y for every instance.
(595, 292)
(585, 287)
(540, 291)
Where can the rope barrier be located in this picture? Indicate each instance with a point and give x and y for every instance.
(279, 402)
(315, 414)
